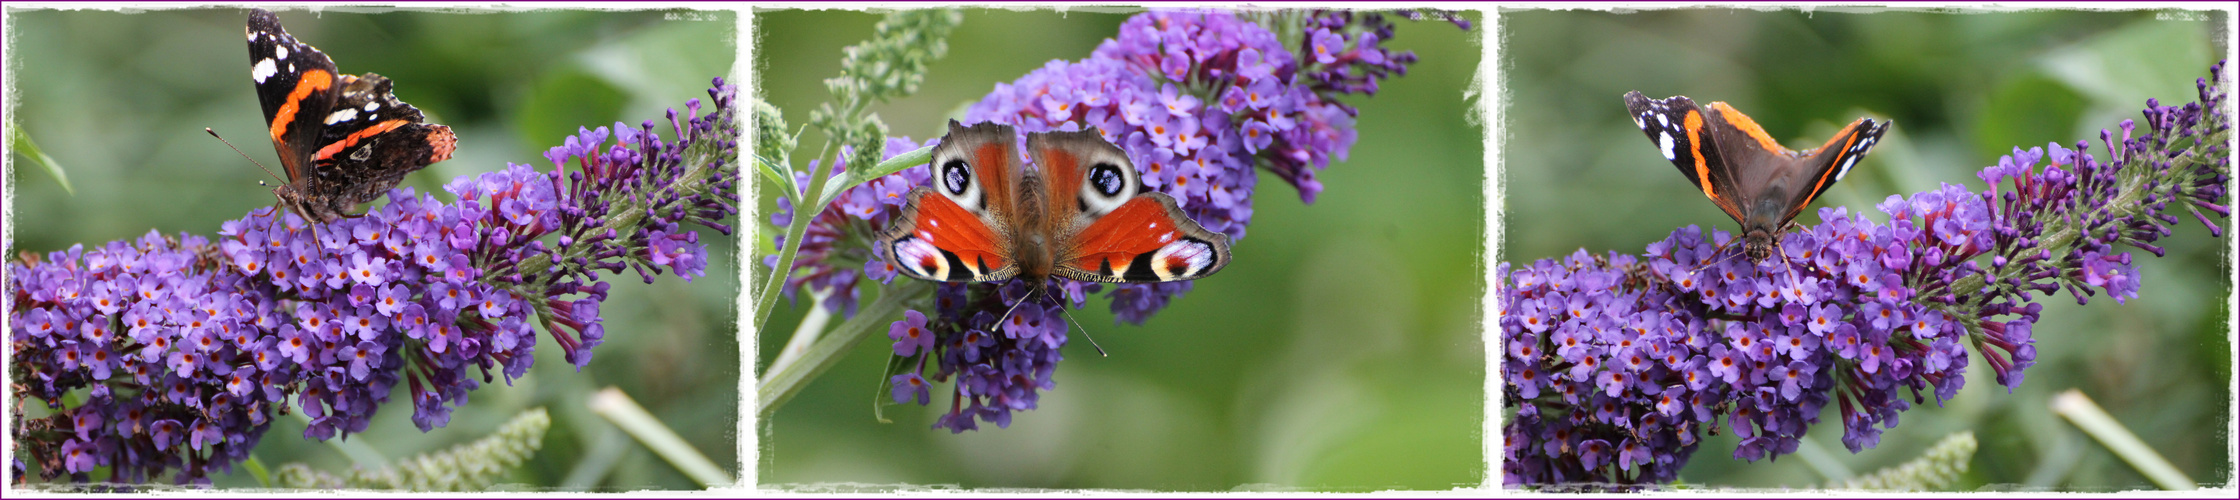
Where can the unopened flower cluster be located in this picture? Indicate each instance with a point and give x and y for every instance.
(1196, 99)
(1617, 364)
(188, 346)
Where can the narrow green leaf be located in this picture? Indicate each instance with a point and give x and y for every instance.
(22, 144)
(781, 381)
(256, 469)
(913, 158)
(625, 413)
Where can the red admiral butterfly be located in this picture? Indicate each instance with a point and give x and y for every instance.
(343, 138)
(1761, 184)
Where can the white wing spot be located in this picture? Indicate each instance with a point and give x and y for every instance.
(280, 52)
(264, 69)
(372, 106)
(1664, 143)
(1661, 120)
(1166, 237)
(342, 116)
(1847, 162)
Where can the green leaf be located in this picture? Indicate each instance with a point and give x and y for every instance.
(625, 413)
(22, 144)
(913, 158)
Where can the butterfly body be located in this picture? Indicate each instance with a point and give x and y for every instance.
(1753, 178)
(1082, 215)
(343, 139)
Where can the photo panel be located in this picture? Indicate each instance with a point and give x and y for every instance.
(1318, 331)
(2024, 259)
(521, 277)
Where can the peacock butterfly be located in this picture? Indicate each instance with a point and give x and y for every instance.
(1083, 215)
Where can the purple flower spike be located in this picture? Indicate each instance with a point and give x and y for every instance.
(1866, 314)
(436, 296)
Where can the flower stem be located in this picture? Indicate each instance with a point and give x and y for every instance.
(779, 383)
(625, 413)
(2088, 417)
(257, 470)
(804, 213)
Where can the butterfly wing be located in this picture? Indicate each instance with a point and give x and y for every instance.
(956, 230)
(371, 140)
(1109, 229)
(1684, 133)
(1834, 159)
(296, 84)
(1778, 182)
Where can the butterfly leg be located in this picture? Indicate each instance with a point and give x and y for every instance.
(1722, 249)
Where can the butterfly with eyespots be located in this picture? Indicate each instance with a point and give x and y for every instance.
(1083, 215)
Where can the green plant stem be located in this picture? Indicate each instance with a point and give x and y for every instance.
(257, 470)
(625, 413)
(806, 212)
(782, 381)
(2087, 416)
(803, 213)
(806, 334)
(606, 452)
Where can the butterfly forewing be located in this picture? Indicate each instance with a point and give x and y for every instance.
(1684, 135)
(295, 84)
(1835, 159)
(955, 229)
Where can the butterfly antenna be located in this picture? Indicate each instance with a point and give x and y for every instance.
(276, 201)
(1721, 250)
(1006, 317)
(1077, 324)
(245, 156)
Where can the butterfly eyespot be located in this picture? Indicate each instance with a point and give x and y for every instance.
(1107, 179)
(956, 176)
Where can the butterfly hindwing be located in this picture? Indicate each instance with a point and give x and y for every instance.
(936, 239)
(1146, 240)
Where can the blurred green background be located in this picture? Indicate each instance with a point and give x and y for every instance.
(1339, 351)
(1964, 89)
(120, 99)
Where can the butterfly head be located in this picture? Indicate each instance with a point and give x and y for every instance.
(310, 209)
(1758, 244)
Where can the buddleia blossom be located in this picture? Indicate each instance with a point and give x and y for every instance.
(1195, 98)
(1616, 364)
(187, 346)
